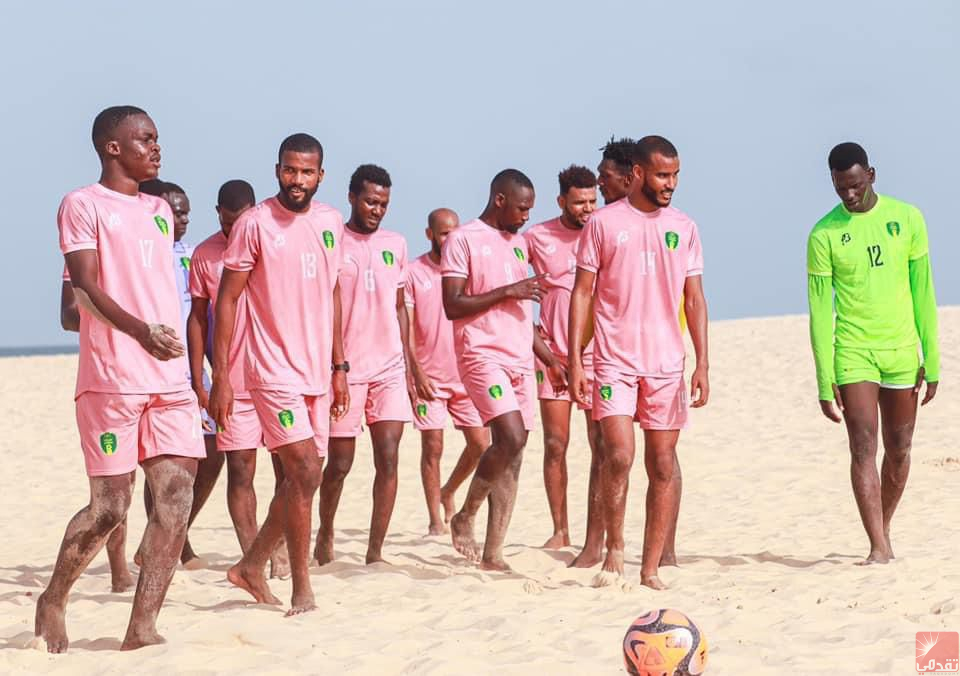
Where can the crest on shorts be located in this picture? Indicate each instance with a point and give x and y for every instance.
(672, 239)
(422, 410)
(388, 257)
(221, 429)
(108, 443)
(606, 392)
(539, 376)
(893, 228)
(286, 418)
(162, 224)
(328, 240)
(518, 252)
(495, 391)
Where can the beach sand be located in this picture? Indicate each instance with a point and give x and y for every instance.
(768, 537)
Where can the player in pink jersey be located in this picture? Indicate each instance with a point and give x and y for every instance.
(636, 257)
(133, 401)
(239, 441)
(615, 171)
(487, 294)
(372, 275)
(553, 253)
(283, 256)
(434, 383)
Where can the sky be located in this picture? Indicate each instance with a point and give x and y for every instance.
(444, 95)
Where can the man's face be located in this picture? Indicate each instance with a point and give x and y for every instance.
(614, 184)
(577, 205)
(228, 217)
(514, 208)
(369, 206)
(441, 229)
(135, 147)
(658, 179)
(180, 205)
(299, 175)
(854, 187)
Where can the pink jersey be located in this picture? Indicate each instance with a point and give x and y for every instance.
(206, 268)
(488, 259)
(374, 267)
(553, 251)
(642, 261)
(432, 332)
(293, 260)
(133, 238)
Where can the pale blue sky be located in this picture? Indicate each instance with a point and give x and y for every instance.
(443, 94)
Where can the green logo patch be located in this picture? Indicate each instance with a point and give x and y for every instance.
(328, 240)
(606, 392)
(220, 429)
(108, 443)
(893, 228)
(162, 224)
(286, 418)
(495, 391)
(539, 376)
(518, 252)
(422, 410)
(388, 258)
(672, 239)
(185, 262)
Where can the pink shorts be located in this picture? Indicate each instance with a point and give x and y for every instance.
(286, 418)
(655, 403)
(243, 430)
(545, 389)
(495, 390)
(379, 401)
(118, 431)
(452, 399)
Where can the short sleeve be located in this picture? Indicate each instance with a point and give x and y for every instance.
(243, 247)
(408, 289)
(919, 246)
(694, 253)
(531, 249)
(198, 270)
(77, 222)
(402, 282)
(591, 244)
(455, 256)
(818, 255)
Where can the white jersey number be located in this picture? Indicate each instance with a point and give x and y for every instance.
(368, 282)
(146, 252)
(308, 264)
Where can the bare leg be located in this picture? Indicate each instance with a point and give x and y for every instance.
(860, 402)
(669, 556)
(386, 443)
(148, 510)
(290, 514)
(207, 474)
(241, 498)
(172, 480)
(556, 437)
(501, 501)
(663, 499)
(279, 560)
(339, 461)
(431, 449)
(898, 415)
(509, 438)
(120, 578)
(478, 439)
(619, 451)
(592, 552)
(86, 534)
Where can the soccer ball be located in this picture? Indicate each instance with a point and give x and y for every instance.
(664, 642)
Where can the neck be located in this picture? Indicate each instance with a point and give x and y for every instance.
(568, 223)
(118, 182)
(641, 202)
(434, 256)
(354, 226)
(490, 219)
(870, 202)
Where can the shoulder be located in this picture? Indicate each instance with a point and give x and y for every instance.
(326, 215)
(832, 220)
(680, 219)
(897, 207)
(393, 237)
(209, 246)
(84, 197)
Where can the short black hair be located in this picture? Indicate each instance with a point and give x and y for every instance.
(236, 194)
(174, 188)
(648, 146)
(300, 143)
(155, 187)
(576, 176)
(107, 121)
(620, 152)
(847, 155)
(509, 178)
(368, 173)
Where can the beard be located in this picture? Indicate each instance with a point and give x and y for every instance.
(655, 196)
(301, 201)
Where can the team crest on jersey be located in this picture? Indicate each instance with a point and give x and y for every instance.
(495, 391)
(286, 418)
(518, 252)
(845, 238)
(162, 224)
(388, 257)
(185, 262)
(539, 376)
(328, 240)
(108, 443)
(893, 228)
(672, 239)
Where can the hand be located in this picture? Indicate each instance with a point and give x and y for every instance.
(341, 395)
(161, 342)
(827, 406)
(557, 375)
(699, 387)
(577, 383)
(527, 289)
(423, 387)
(203, 397)
(220, 402)
(931, 387)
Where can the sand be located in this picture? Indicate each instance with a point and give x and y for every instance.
(768, 537)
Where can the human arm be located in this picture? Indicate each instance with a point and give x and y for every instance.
(220, 403)
(198, 327)
(925, 318)
(457, 304)
(695, 308)
(580, 321)
(820, 302)
(423, 387)
(69, 313)
(556, 369)
(338, 381)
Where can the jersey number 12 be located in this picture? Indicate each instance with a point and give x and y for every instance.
(873, 253)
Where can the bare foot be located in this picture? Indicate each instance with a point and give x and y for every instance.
(446, 499)
(50, 625)
(586, 559)
(609, 578)
(280, 563)
(437, 529)
(134, 640)
(669, 559)
(652, 581)
(196, 563)
(461, 530)
(496, 565)
(876, 556)
(301, 604)
(557, 540)
(611, 574)
(323, 552)
(187, 554)
(121, 581)
(889, 545)
(375, 557)
(252, 582)
(138, 558)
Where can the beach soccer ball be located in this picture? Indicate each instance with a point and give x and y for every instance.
(664, 642)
